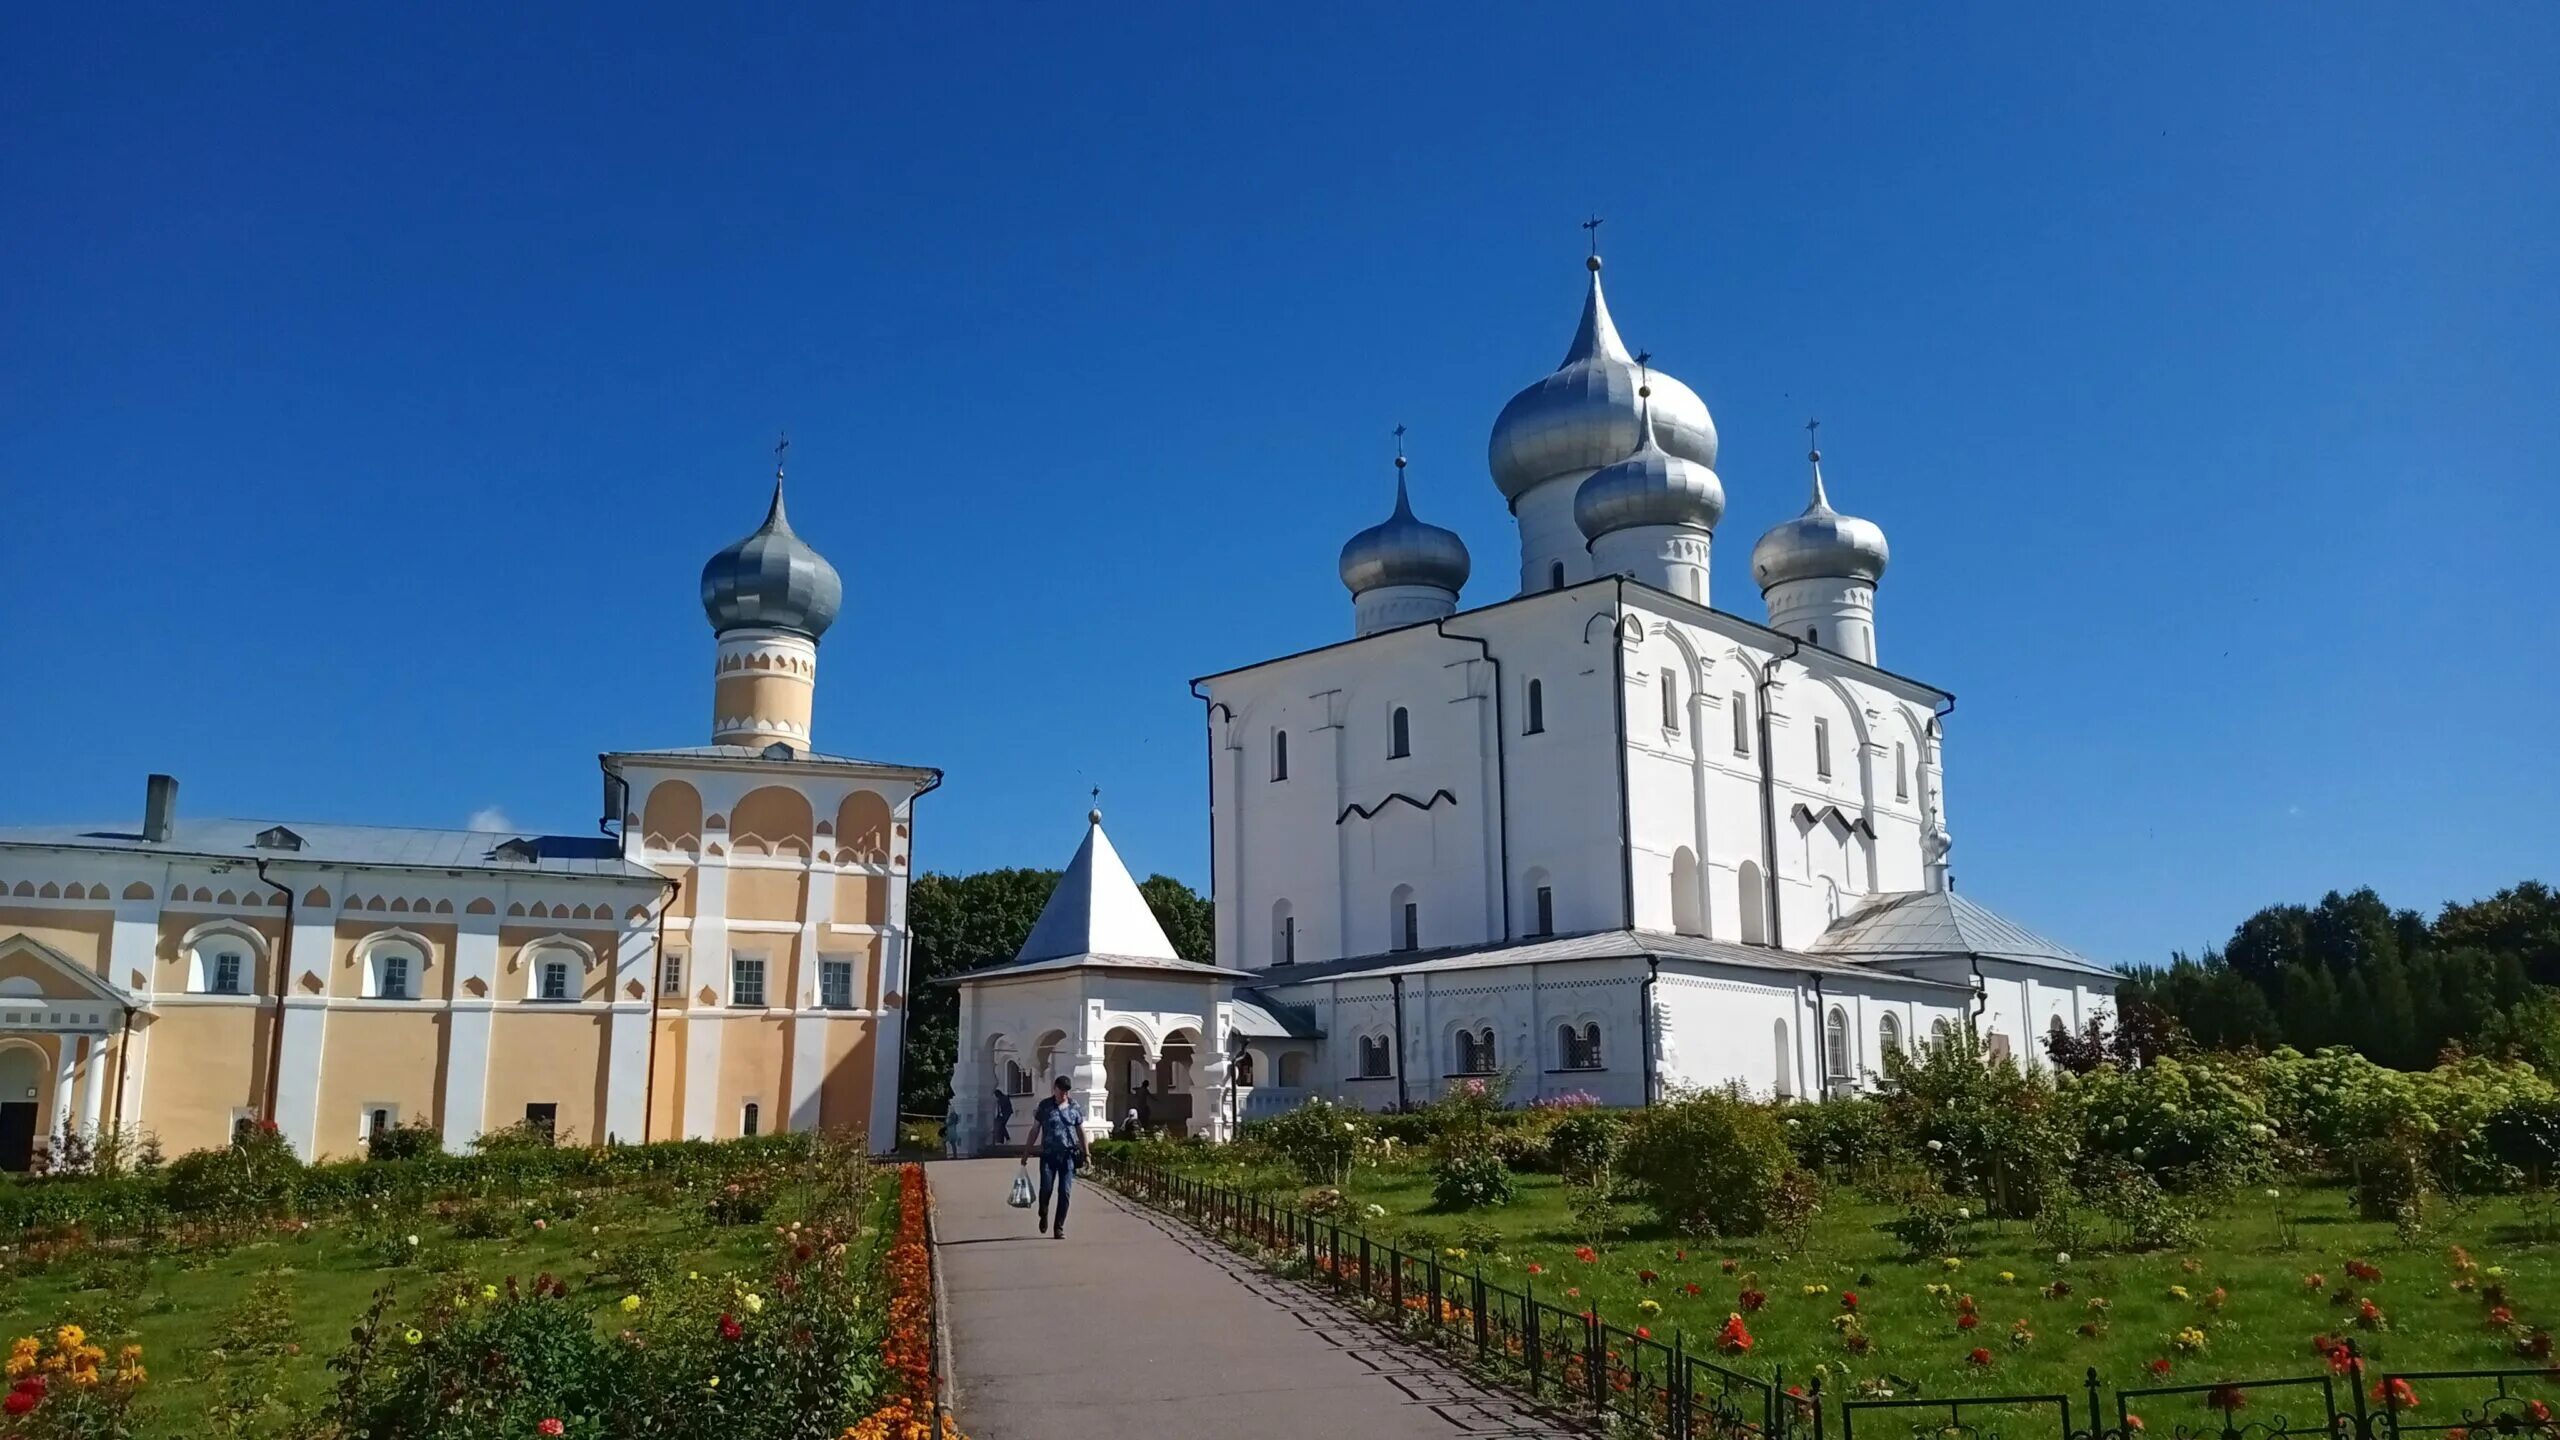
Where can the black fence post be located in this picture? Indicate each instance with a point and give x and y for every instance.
(2096, 1425)
(1435, 1298)
(1675, 1387)
(1595, 1365)
(1476, 1296)
(1395, 1285)
(1534, 1345)
(2355, 1382)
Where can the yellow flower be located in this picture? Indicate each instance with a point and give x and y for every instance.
(715, 1382)
(2008, 1277)
(70, 1337)
(1817, 1289)
(1650, 1307)
(132, 1374)
(1952, 1263)
(754, 1304)
(488, 1292)
(2178, 1292)
(412, 1335)
(630, 1303)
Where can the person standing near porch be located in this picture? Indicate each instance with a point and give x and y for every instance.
(1146, 1111)
(1057, 1132)
(1004, 1118)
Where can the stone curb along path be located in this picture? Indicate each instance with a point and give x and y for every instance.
(1137, 1327)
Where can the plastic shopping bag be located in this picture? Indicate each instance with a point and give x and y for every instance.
(1020, 1197)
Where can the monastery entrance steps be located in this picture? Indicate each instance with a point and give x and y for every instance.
(1134, 1328)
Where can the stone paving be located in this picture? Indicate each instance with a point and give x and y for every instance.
(1136, 1326)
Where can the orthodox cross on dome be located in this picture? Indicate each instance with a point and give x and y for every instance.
(1593, 225)
(1399, 447)
(1811, 442)
(780, 446)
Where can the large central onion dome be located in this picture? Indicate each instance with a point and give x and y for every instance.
(1650, 487)
(771, 580)
(1585, 415)
(1403, 550)
(1820, 544)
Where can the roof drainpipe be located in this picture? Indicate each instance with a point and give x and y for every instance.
(1209, 719)
(284, 969)
(1501, 766)
(1396, 983)
(1940, 872)
(1769, 796)
(1644, 1027)
(1626, 823)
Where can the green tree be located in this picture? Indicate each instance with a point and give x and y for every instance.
(960, 922)
(2522, 920)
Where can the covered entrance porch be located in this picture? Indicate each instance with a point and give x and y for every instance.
(59, 1056)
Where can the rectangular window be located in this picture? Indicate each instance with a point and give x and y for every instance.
(1901, 772)
(395, 977)
(1399, 734)
(1546, 910)
(1289, 940)
(1741, 705)
(835, 984)
(1412, 936)
(1671, 701)
(1279, 754)
(671, 974)
(1537, 710)
(543, 1118)
(746, 980)
(1822, 747)
(226, 974)
(375, 1121)
(750, 1119)
(555, 980)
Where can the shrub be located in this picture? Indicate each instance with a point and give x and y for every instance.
(1318, 1139)
(1471, 1180)
(1583, 1143)
(2197, 1126)
(1845, 1139)
(254, 1177)
(1707, 1163)
(1983, 1127)
(742, 1201)
(404, 1142)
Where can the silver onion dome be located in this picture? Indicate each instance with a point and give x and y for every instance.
(1401, 550)
(1821, 544)
(1650, 487)
(771, 580)
(1584, 415)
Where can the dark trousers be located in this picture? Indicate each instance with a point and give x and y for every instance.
(1059, 1170)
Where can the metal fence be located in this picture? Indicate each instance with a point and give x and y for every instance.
(1575, 1360)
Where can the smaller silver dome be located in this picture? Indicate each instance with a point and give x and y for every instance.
(1820, 544)
(1401, 550)
(771, 580)
(1650, 487)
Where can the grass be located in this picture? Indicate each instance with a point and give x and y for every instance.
(174, 1299)
(2436, 1314)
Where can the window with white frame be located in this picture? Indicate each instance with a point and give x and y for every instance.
(750, 1118)
(1901, 771)
(1279, 754)
(1375, 1058)
(229, 970)
(1017, 1081)
(835, 984)
(1535, 708)
(393, 983)
(1888, 1035)
(1835, 1044)
(1578, 1046)
(1821, 747)
(377, 1119)
(1671, 701)
(746, 980)
(392, 969)
(1740, 705)
(552, 979)
(671, 973)
(1399, 734)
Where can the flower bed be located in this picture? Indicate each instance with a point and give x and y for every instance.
(913, 1410)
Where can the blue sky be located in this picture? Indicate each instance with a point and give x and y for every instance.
(376, 383)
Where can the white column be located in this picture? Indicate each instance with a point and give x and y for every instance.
(701, 1073)
(305, 1019)
(968, 1103)
(1209, 1070)
(94, 1091)
(65, 1071)
(466, 1059)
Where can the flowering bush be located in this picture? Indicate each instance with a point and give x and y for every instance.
(1319, 1138)
(63, 1386)
(1709, 1163)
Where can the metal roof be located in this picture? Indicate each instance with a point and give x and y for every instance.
(1593, 945)
(1055, 964)
(365, 845)
(757, 753)
(1934, 924)
(1260, 1019)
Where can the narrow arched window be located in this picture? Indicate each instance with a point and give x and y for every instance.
(1412, 925)
(1555, 576)
(1901, 771)
(1546, 910)
(1740, 704)
(1591, 1046)
(1284, 934)
(1537, 708)
(1485, 1062)
(1821, 747)
(1279, 754)
(1813, 633)
(1399, 734)
(1889, 1035)
(1671, 701)
(750, 1118)
(1835, 1044)
(1568, 1048)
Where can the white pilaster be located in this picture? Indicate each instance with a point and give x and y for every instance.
(808, 1071)
(93, 1090)
(626, 1075)
(305, 1019)
(65, 1071)
(701, 1074)
(466, 1060)
(889, 1018)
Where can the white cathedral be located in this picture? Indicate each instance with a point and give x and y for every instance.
(1599, 837)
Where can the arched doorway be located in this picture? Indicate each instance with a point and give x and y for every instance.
(25, 1082)
(1175, 1101)
(1125, 1062)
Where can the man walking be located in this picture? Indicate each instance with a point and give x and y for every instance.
(1057, 1130)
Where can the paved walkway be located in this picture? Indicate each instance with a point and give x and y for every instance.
(1137, 1327)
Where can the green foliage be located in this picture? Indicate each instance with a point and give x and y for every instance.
(2194, 1125)
(254, 1177)
(959, 922)
(1846, 1139)
(1470, 1180)
(1584, 1143)
(1318, 1139)
(244, 1369)
(1982, 1127)
(405, 1142)
(1708, 1163)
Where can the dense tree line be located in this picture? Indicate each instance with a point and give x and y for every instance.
(960, 922)
(2352, 971)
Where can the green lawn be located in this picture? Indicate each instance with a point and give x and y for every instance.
(173, 1298)
(2435, 1314)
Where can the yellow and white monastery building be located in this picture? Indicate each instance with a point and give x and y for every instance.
(727, 957)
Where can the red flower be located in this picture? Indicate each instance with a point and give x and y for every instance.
(1680, 1255)
(1965, 1303)
(1735, 1337)
(1643, 1334)
(2343, 1360)
(2226, 1398)
(2160, 1366)
(1967, 1320)
(1537, 1269)
(2364, 1271)
(2540, 1412)
(21, 1400)
(1585, 1254)
(1753, 1299)
(1980, 1356)
(1646, 1277)
(730, 1329)
(2396, 1394)
(2315, 1281)
(551, 1427)
(1689, 1289)
(1728, 1267)
(2501, 1316)
(1848, 1299)
(2132, 1421)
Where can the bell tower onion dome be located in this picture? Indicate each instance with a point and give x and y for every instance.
(1403, 570)
(768, 597)
(1576, 420)
(1819, 573)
